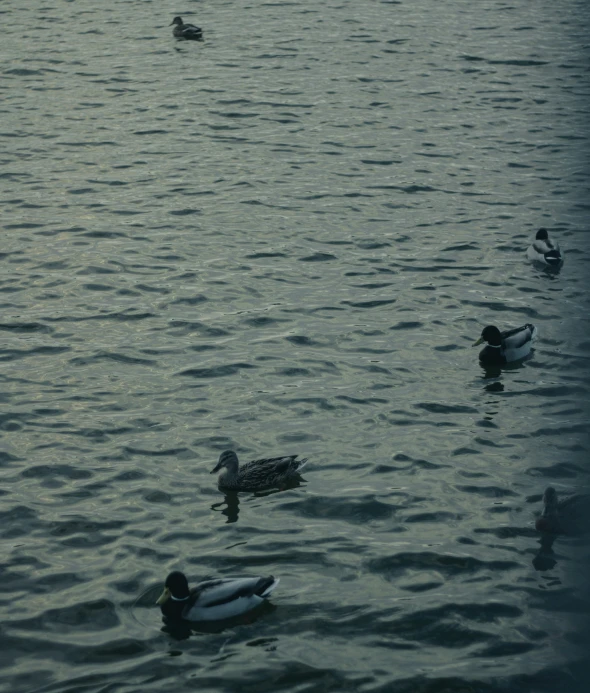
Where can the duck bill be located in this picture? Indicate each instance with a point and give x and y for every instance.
(481, 340)
(164, 597)
(216, 468)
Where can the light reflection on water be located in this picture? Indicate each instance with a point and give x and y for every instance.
(283, 240)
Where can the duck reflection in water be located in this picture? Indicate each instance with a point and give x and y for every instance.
(230, 505)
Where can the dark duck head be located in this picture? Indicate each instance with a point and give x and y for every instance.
(491, 335)
(175, 596)
(542, 235)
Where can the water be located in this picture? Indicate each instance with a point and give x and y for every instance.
(282, 240)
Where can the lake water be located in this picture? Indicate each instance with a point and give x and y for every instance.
(285, 239)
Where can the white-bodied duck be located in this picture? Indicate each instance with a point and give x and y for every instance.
(544, 250)
(267, 473)
(503, 347)
(190, 32)
(212, 600)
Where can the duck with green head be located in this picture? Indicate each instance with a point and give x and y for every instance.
(504, 347)
(212, 600)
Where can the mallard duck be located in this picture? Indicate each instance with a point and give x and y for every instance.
(568, 516)
(190, 32)
(212, 600)
(258, 474)
(544, 250)
(503, 347)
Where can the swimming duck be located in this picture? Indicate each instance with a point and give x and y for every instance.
(503, 347)
(258, 474)
(568, 516)
(544, 250)
(212, 600)
(190, 32)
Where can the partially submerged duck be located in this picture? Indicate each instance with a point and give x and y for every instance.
(259, 474)
(190, 32)
(503, 347)
(212, 600)
(544, 250)
(567, 516)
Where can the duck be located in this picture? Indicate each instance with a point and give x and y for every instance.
(190, 32)
(257, 474)
(212, 600)
(503, 347)
(567, 516)
(544, 250)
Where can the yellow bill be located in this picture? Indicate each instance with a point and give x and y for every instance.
(164, 597)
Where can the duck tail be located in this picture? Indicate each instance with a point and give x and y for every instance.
(268, 586)
(553, 257)
(534, 332)
(302, 464)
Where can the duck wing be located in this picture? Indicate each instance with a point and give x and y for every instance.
(276, 465)
(218, 600)
(237, 588)
(519, 336)
(192, 31)
(548, 251)
(573, 514)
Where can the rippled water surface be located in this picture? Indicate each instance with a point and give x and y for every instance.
(284, 239)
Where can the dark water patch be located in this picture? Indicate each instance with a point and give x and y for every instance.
(447, 347)
(557, 470)
(190, 300)
(264, 255)
(318, 257)
(294, 372)
(17, 522)
(263, 321)
(43, 471)
(216, 371)
(372, 245)
(98, 287)
(81, 191)
(82, 525)
(97, 615)
(370, 304)
(398, 564)
(26, 327)
(488, 491)
(130, 475)
(407, 325)
(440, 516)
(354, 511)
(438, 408)
(111, 356)
(168, 452)
(123, 316)
(18, 354)
(364, 400)
(302, 340)
(188, 326)
(505, 649)
(184, 212)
